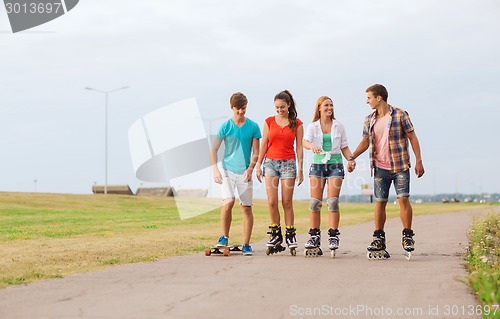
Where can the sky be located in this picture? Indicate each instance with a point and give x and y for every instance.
(438, 60)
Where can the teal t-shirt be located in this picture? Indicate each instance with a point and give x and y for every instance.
(238, 144)
(327, 146)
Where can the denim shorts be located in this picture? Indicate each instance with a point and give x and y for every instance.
(326, 170)
(282, 169)
(383, 180)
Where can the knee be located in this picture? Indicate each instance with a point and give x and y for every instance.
(287, 204)
(333, 204)
(273, 204)
(228, 203)
(404, 200)
(247, 210)
(315, 205)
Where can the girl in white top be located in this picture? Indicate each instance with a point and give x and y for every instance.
(326, 138)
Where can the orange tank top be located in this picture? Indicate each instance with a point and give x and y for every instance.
(280, 140)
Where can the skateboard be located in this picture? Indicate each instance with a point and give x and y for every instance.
(222, 250)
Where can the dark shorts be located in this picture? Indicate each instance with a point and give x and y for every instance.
(326, 170)
(383, 180)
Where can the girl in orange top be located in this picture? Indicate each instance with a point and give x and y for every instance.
(282, 155)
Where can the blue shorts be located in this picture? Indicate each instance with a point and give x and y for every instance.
(282, 169)
(326, 170)
(383, 180)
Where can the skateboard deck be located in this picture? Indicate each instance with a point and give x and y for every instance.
(222, 250)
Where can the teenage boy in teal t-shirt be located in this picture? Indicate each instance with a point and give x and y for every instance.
(241, 150)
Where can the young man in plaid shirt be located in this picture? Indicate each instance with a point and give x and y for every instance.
(386, 132)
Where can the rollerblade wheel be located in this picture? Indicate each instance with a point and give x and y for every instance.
(312, 252)
(369, 255)
(332, 253)
(226, 251)
(208, 252)
(309, 252)
(293, 251)
(408, 255)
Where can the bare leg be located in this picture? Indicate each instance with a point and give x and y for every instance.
(226, 216)
(406, 211)
(334, 186)
(272, 198)
(317, 186)
(380, 215)
(247, 223)
(287, 186)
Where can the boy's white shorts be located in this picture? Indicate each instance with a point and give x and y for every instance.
(231, 182)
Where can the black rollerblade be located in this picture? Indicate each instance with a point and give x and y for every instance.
(408, 242)
(333, 241)
(313, 245)
(291, 242)
(275, 240)
(376, 250)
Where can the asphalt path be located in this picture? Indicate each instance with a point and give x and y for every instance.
(430, 285)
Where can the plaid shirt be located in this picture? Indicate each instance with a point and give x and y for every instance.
(399, 125)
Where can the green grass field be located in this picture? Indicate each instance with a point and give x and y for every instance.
(55, 235)
(484, 262)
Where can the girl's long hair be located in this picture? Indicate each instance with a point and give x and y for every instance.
(292, 110)
(317, 114)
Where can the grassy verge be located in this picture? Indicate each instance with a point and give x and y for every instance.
(54, 235)
(484, 262)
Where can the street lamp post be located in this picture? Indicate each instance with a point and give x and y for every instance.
(106, 132)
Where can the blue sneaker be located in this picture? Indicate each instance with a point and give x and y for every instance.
(223, 241)
(247, 250)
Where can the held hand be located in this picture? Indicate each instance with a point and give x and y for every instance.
(351, 166)
(217, 177)
(419, 169)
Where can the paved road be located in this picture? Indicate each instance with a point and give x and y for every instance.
(278, 286)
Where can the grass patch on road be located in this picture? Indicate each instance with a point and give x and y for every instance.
(484, 262)
(54, 235)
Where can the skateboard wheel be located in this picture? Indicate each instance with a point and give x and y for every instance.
(208, 252)
(226, 251)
